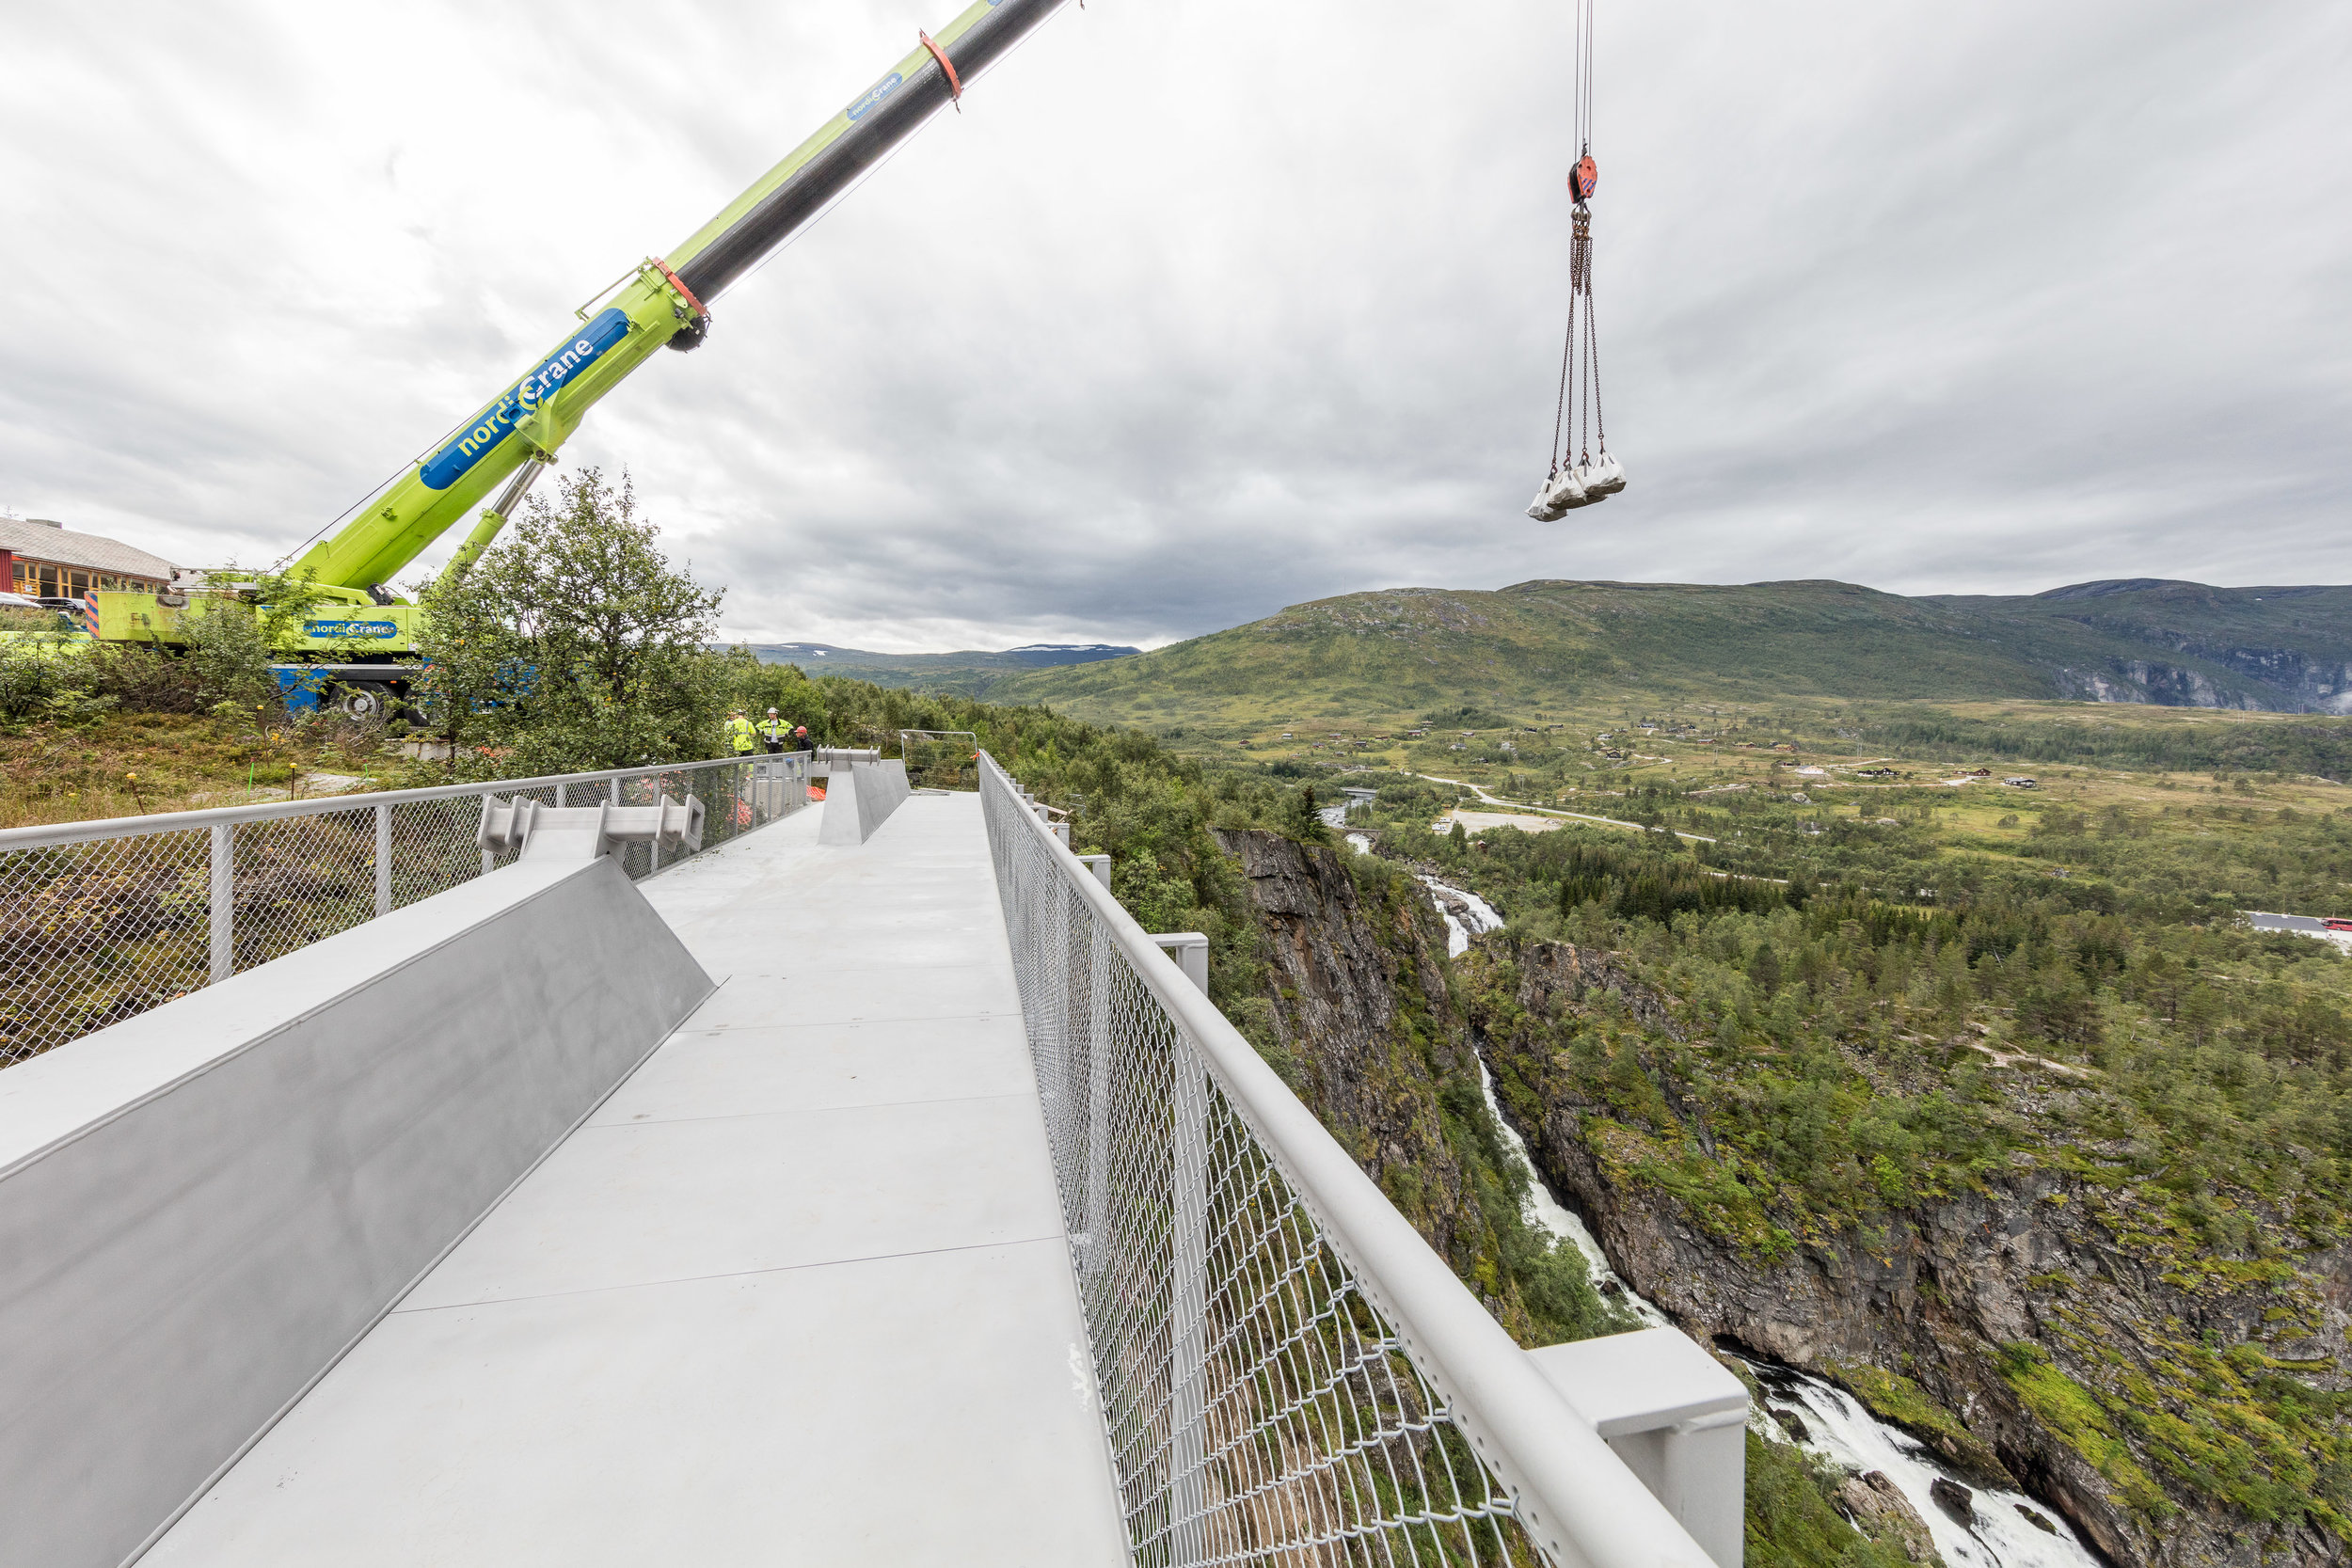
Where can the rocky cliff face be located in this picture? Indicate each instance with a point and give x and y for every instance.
(1984, 1320)
(2279, 680)
(1365, 1029)
(1355, 1009)
(1352, 998)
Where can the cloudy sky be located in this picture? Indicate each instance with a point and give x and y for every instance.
(1203, 308)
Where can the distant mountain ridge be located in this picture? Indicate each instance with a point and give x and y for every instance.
(965, 672)
(1545, 644)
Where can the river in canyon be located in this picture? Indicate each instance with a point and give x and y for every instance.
(2003, 1529)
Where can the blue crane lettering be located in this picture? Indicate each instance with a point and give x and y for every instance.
(451, 463)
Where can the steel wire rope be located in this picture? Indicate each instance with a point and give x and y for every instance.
(1601, 427)
(1568, 353)
(1584, 76)
(382, 486)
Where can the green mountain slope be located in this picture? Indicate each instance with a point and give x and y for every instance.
(1557, 644)
(2186, 644)
(958, 673)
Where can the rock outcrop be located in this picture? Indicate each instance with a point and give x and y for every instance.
(1874, 1501)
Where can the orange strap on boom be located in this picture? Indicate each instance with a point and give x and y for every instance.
(955, 86)
(700, 309)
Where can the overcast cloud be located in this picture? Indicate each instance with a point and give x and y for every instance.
(1203, 308)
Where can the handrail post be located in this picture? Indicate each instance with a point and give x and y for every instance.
(1187, 1310)
(1098, 1215)
(1062, 976)
(383, 860)
(223, 908)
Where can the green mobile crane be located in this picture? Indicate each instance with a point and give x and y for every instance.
(361, 635)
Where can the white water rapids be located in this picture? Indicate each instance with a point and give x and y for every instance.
(1835, 1425)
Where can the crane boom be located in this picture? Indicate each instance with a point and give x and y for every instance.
(664, 301)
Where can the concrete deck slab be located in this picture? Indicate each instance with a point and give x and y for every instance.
(814, 1066)
(764, 990)
(797, 1292)
(669, 1198)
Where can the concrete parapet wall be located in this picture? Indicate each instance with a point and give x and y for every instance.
(203, 1208)
(860, 798)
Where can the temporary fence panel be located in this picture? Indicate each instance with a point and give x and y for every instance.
(1287, 1374)
(102, 921)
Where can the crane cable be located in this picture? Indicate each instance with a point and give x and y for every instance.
(1579, 405)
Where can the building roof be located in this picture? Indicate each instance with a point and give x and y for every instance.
(39, 538)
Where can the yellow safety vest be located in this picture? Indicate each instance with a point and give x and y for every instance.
(739, 731)
(773, 729)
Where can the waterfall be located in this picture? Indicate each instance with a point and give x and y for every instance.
(2001, 1532)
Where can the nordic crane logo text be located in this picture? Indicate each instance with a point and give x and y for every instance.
(874, 95)
(475, 442)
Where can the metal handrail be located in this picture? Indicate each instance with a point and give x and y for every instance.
(1574, 1497)
(100, 921)
(50, 835)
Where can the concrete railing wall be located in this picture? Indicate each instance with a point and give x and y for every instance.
(859, 797)
(204, 1207)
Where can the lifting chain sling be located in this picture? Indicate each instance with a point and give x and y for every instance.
(1582, 472)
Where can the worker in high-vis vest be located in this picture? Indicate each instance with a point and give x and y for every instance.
(739, 731)
(775, 731)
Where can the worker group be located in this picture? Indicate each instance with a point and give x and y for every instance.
(771, 734)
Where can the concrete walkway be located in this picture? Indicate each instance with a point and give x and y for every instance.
(797, 1293)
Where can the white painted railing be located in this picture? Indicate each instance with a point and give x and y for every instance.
(1287, 1371)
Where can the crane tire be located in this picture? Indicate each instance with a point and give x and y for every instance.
(364, 700)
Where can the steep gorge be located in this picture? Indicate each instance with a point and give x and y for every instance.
(1999, 1321)
(1355, 1003)
(1360, 1020)
(2037, 1328)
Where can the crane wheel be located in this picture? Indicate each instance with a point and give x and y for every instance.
(365, 700)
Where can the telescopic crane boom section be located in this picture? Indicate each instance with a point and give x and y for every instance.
(665, 301)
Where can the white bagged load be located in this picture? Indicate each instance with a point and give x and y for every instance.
(1584, 476)
(1567, 491)
(1541, 508)
(1605, 476)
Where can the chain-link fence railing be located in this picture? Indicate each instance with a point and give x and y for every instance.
(941, 759)
(1282, 1363)
(101, 921)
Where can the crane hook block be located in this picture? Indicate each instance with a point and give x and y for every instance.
(1584, 179)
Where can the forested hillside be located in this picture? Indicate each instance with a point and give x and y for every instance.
(1987, 1108)
(1555, 645)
